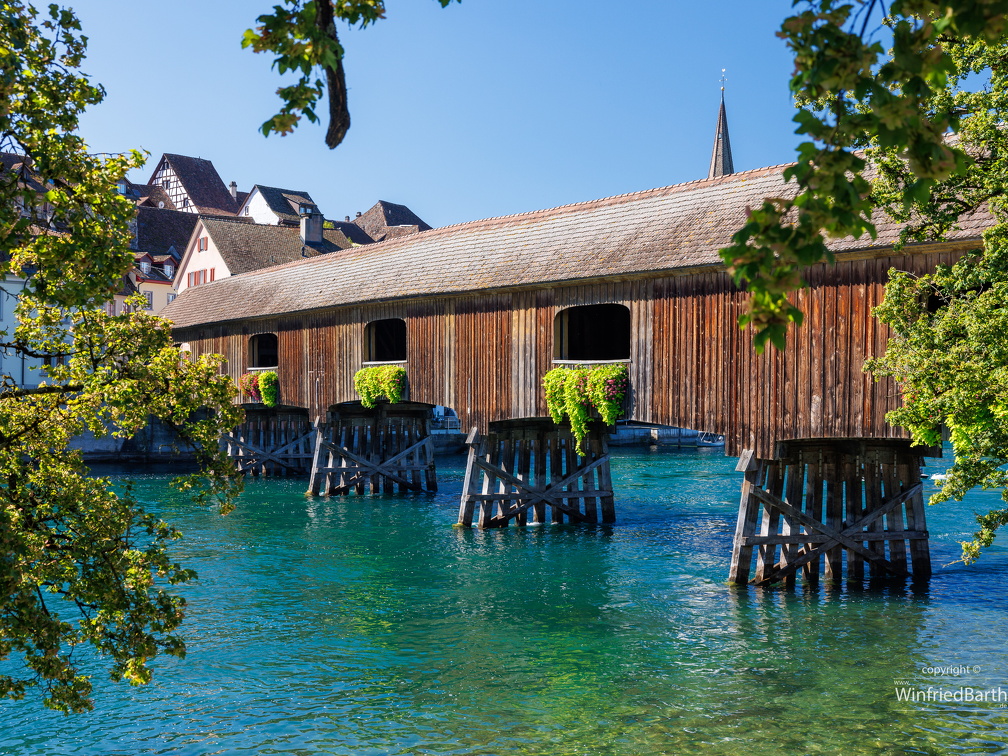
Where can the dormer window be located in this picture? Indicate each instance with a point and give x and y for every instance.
(145, 267)
(305, 209)
(168, 270)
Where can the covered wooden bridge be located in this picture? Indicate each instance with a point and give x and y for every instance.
(477, 313)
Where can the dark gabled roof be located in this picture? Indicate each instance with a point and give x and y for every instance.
(159, 230)
(202, 183)
(251, 246)
(152, 195)
(353, 232)
(285, 202)
(156, 275)
(656, 231)
(12, 162)
(384, 216)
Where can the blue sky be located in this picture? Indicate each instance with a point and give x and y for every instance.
(484, 108)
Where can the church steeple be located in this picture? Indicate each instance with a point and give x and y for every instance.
(721, 158)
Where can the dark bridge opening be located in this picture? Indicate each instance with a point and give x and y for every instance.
(264, 351)
(592, 332)
(385, 341)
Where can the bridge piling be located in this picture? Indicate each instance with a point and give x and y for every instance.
(271, 442)
(384, 449)
(833, 501)
(522, 466)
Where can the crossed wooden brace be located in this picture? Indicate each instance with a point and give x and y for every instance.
(845, 537)
(527, 495)
(366, 468)
(260, 456)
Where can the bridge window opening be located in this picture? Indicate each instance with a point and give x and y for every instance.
(264, 351)
(385, 341)
(592, 333)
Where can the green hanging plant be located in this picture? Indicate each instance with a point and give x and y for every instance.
(269, 387)
(383, 381)
(574, 392)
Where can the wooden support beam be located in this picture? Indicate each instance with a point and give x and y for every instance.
(516, 469)
(867, 487)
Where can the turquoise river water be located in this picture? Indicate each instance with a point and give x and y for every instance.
(369, 625)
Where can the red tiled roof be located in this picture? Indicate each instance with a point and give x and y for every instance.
(659, 230)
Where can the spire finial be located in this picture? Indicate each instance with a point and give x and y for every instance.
(721, 158)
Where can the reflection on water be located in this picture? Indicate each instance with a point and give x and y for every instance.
(371, 625)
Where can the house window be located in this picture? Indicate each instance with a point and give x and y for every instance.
(168, 270)
(171, 297)
(592, 333)
(198, 277)
(264, 350)
(145, 267)
(246, 209)
(385, 340)
(204, 242)
(150, 300)
(121, 187)
(185, 202)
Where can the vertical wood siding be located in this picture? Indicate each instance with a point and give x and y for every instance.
(485, 355)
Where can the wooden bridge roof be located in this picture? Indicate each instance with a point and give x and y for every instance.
(659, 230)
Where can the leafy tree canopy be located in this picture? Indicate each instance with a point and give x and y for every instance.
(80, 563)
(878, 121)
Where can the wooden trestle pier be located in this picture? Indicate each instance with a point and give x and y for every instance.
(829, 502)
(532, 464)
(272, 442)
(384, 449)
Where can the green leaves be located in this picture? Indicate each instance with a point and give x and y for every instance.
(80, 562)
(573, 392)
(380, 382)
(948, 352)
(851, 94)
(269, 387)
(302, 36)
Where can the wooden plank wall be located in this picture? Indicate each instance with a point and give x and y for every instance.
(485, 354)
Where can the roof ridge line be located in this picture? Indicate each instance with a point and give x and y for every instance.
(379, 246)
(729, 177)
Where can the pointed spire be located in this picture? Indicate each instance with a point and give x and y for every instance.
(721, 158)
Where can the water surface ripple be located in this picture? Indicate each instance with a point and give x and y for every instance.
(368, 625)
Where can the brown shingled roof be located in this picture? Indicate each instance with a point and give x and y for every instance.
(659, 230)
(353, 232)
(202, 183)
(152, 195)
(159, 230)
(251, 246)
(386, 220)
